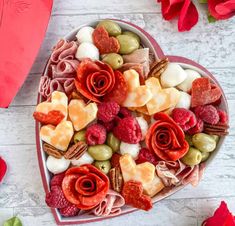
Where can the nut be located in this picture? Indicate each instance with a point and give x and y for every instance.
(116, 179)
(76, 151)
(218, 129)
(158, 67)
(50, 150)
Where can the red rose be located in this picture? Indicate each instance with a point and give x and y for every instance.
(221, 217)
(166, 138)
(98, 82)
(221, 9)
(185, 9)
(85, 186)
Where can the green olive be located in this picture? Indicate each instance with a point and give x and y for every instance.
(127, 43)
(113, 142)
(114, 60)
(111, 27)
(103, 166)
(205, 156)
(132, 34)
(188, 138)
(193, 157)
(100, 152)
(204, 142)
(79, 136)
(215, 137)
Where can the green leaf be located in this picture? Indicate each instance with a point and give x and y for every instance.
(14, 221)
(211, 19)
(203, 1)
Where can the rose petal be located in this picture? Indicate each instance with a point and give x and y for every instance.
(171, 8)
(222, 216)
(188, 16)
(3, 168)
(214, 7)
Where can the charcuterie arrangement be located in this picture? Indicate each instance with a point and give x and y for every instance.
(118, 126)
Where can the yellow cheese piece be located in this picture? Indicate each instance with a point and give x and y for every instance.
(59, 102)
(162, 98)
(59, 136)
(81, 114)
(137, 95)
(144, 173)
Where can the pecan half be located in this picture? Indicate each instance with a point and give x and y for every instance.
(116, 179)
(158, 67)
(218, 129)
(76, 150)
(50, 150)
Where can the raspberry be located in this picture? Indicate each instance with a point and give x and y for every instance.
(95, 134)
(198, 128)
(128, 130)
(145, 155)
(115, 160)
(57, 179)
(185, 118)
(223, 116)
(108, 125)
(207, 113)
(107, 111)
(69, 211)
(124, 112)
(55, 198)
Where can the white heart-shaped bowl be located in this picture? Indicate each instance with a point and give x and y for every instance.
(146, 41)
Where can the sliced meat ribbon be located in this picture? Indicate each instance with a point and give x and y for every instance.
(110, 206)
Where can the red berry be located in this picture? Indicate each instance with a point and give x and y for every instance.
(128, 130)
(184, 118)
(107, 111)
(95, 134)
(55, 198)
(145, 155)
(115, 160)
(223, 116)
(124, 112)
(108, 125)
(207, 113)
(57, 179)
(69, 211)
(198, 128)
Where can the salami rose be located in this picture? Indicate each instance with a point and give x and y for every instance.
(166, 138)
(97, 81)
(85, 186)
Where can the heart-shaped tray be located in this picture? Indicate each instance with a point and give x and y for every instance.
(147, 41)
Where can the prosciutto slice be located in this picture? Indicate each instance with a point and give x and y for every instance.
(48, 85)
(63, 50)
(139, 56)
(177, 173)
(64, 69)
(110, 206)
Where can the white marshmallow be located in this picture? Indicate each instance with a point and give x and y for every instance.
(56, 166)
(184, 101)
(87, 50)
(186, 85)
(84, 159)
(143, 126)
(131, 149)
(173, 75)
(85, 35)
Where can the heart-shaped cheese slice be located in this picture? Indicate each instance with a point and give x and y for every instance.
(59, 102)
(59, 136)
(137, 95)
(162, 98)
(144, 173)
(81, 114)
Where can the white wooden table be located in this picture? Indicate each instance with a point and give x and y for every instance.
(212, 45)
